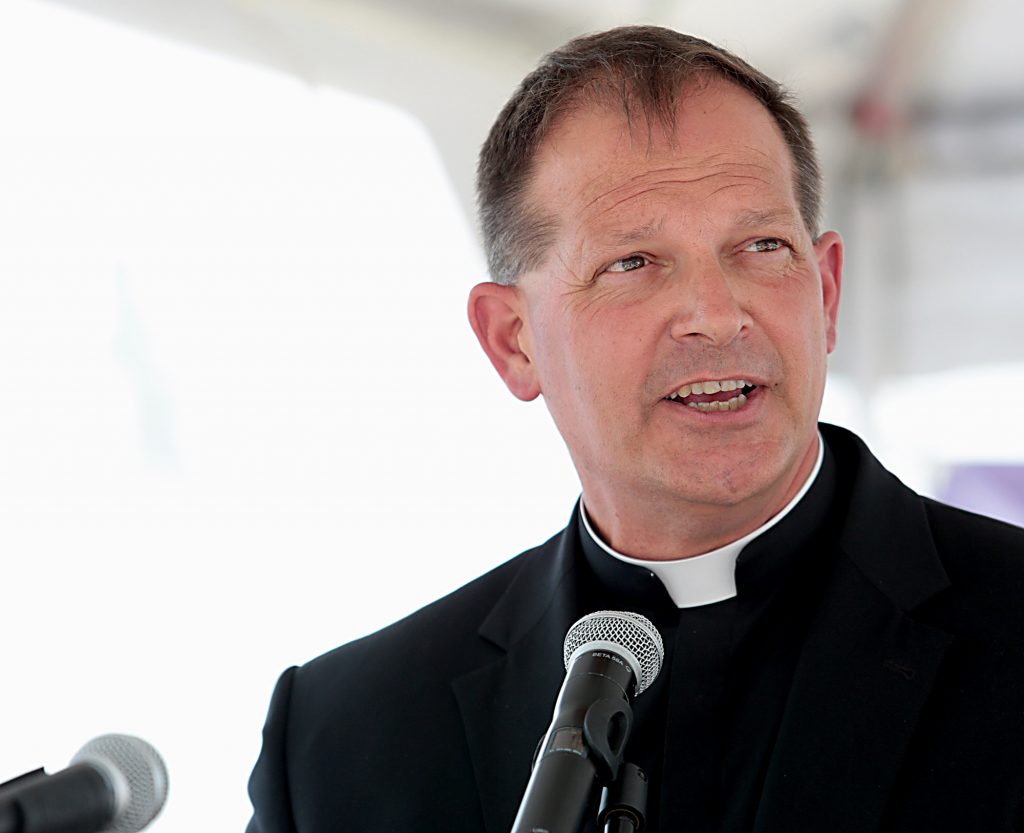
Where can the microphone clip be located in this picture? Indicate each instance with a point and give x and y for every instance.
(606, 727)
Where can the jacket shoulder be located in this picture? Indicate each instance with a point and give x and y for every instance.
(440, 640)
(382, 710)
(984, 559)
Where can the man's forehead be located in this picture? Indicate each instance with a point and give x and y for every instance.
(596, 161)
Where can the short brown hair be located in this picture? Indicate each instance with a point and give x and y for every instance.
(646, 69)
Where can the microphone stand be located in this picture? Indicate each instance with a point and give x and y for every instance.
(624, 801)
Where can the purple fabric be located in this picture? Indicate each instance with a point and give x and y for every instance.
(993, 490)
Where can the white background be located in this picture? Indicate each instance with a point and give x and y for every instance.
(244, 418)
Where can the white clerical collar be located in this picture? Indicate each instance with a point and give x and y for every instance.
(709, 577)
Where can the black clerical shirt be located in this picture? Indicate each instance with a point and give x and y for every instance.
(705, 731)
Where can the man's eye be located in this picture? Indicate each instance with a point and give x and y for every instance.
(628, 264)
(766, 244)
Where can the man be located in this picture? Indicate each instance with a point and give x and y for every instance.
(841, 654)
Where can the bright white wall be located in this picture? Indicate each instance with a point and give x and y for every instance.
(244, 417)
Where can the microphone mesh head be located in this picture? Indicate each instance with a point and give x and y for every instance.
(134, 768)
(630, 631)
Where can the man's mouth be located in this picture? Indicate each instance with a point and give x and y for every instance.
(714, 395)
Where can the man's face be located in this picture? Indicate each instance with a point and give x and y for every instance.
(678, 260)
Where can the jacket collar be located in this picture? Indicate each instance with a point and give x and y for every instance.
(543, 587)
(886, 534)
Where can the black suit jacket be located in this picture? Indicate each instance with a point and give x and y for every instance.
(906, 711)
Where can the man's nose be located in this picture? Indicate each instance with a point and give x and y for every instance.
(707, 306)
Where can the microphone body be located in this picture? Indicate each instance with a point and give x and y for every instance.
(566, 778)
(115, 784)
(610, 657)
(78, 799)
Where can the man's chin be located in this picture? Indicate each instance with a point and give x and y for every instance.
(760, 476)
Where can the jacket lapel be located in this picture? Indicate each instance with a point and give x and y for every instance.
(506, 705)
(866, 668)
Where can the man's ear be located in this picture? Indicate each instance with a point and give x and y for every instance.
(497, 317)
(828, 250)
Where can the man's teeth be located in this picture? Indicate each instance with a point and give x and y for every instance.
(714, 386)
(710, 387)
(727, 405)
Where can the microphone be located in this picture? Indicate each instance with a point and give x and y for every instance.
(115, 784)
(610, 657)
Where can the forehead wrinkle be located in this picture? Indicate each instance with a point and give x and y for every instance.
(732, 169)
(653, 187)
(728, 186)
(646, 175)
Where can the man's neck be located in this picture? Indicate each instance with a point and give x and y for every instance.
(657, 530)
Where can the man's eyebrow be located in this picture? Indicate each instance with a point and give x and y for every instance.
(634, 235)
(751, 218)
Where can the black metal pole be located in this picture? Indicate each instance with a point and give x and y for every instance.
(624, 802)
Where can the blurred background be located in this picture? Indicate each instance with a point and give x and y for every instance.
(244, 418)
